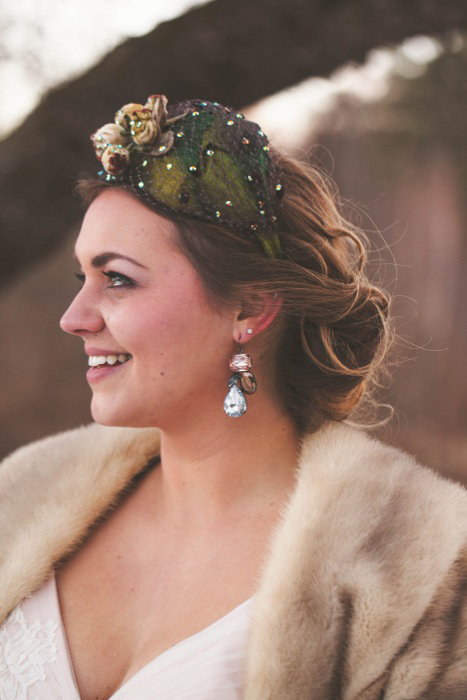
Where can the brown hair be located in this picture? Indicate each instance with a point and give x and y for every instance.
(333, 330)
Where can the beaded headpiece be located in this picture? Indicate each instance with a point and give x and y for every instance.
(195, 159)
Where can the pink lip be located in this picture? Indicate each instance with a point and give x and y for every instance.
(97, 374)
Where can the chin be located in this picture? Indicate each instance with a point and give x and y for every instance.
(112, 416)
(112, 421)
(119, 416)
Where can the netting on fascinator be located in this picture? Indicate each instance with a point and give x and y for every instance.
(195, 159)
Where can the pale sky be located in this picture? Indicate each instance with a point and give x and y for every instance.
(62, 38)
(47, 41)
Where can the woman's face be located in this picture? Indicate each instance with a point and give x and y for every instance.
(142, 299)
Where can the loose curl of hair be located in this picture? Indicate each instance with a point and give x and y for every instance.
(333, 329)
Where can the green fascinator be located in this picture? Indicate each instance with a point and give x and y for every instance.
(195, 159)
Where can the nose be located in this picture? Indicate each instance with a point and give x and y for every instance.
(82, 316)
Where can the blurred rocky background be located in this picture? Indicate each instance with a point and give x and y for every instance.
(375, 93)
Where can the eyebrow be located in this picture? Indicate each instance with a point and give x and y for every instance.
(104, 258)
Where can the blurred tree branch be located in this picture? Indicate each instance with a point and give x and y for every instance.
(233, 52)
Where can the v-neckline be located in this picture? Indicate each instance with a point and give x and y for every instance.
(153, 662)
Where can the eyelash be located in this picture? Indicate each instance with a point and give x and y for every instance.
(113, 276)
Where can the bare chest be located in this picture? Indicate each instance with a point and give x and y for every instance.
(126, 597)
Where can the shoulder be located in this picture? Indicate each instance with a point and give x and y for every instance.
(68, 465)
(357, 498)
(93, 443)
(52, 491)
(375, 483)
(365, 503)
(367, 573)
(87, 464)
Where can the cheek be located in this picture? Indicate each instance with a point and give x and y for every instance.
(172, 330)
(159, 332)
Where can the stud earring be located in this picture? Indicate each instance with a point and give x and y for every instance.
(241, 382)
(249, 331)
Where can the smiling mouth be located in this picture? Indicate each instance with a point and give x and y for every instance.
(108, 360)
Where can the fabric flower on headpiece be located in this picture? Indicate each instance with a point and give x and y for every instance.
(136, 126)
(138, 121)
(108, 135)
(124, 115)
(115, 159)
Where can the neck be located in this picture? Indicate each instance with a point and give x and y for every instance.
(219, 464)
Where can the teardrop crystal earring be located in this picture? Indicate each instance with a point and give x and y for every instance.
(241, 382)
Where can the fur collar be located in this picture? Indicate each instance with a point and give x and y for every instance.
(53, 491)
(366, 543)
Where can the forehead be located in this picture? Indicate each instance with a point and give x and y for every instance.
(117, 220)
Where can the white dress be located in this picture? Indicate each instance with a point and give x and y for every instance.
(35, 663)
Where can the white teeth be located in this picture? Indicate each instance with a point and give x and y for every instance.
(95, 360)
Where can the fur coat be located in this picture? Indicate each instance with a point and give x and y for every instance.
(364, 593)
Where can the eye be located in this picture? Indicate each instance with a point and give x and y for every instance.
(80, 277)
(119, 280)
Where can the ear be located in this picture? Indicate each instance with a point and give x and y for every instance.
(257, 314)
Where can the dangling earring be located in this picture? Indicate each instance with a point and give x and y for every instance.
(241, 382)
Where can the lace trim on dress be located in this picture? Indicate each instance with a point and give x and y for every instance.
(24, 651)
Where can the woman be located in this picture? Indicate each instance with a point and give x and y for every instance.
(251, 548)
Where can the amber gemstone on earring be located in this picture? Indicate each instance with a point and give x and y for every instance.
(248, 382)
(240, 362)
